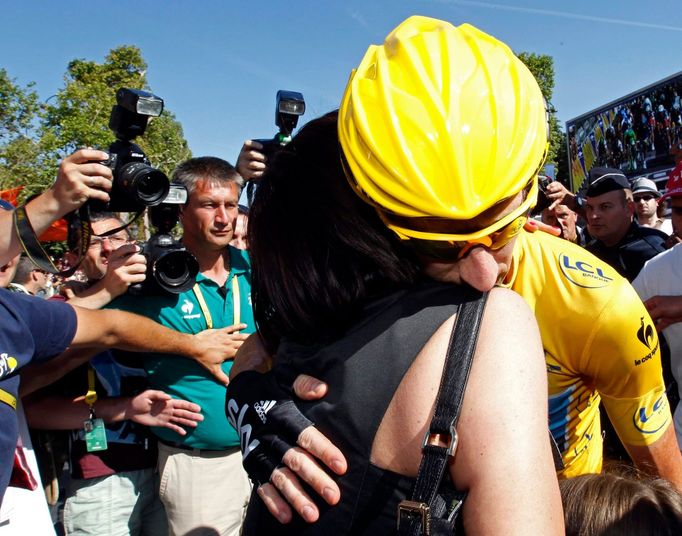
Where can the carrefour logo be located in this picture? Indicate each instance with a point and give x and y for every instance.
(582, 273)
(650, 420)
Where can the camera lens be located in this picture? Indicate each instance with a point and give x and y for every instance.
(176, 271)
(144, 184)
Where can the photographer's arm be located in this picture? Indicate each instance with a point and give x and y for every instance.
(78, 180)
(210, 347)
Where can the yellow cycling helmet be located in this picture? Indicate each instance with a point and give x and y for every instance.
(438, 126)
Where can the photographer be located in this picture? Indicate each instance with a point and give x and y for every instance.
(111, 263)
(204, 485)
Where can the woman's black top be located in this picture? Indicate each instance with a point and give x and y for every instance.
(363, 369)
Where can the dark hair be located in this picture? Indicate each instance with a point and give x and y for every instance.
(206, 168)
(318, 250)
(622, 502)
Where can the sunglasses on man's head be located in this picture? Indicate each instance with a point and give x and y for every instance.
(645, 197)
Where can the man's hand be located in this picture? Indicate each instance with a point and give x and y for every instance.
(251, 356)
(215, 346)
(251, 162)
(80, 178)
(156, 408)
(286, 437)
(664, 310)
(558, 194)
(125, 266)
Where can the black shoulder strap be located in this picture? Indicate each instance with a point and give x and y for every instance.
(416, 516)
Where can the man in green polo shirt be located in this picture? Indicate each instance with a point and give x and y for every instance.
(203, 486)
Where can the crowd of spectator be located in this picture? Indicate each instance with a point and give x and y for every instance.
(634, 133)
(291, 389)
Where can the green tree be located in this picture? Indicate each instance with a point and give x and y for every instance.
(542, 67)
(19, 107)
(19, 113)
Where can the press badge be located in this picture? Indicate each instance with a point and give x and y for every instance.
(95, 435)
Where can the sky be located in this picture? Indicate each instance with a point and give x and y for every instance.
(218, 65)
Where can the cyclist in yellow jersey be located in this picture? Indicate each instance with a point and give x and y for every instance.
(598, 341)
(440, 128)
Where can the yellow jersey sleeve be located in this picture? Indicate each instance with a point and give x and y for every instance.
(623, 361)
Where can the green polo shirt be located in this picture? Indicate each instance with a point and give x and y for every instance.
(184, 378)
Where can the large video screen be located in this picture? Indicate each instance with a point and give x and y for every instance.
(639, 133)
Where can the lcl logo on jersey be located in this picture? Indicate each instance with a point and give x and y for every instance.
(647, 336)
(650, 420)
(582, 273)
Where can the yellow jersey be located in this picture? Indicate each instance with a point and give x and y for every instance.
(599, 342)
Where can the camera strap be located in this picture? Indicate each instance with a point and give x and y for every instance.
(34, 249)
(37, 254)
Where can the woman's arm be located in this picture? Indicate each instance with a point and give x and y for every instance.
(503, 458)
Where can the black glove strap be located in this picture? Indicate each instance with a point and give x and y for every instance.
(427, 507)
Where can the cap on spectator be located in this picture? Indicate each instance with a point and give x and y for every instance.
(603, 180)
(673, 188)
(6, 205)
(644, 185)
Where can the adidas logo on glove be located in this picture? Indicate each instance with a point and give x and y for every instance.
(263, 407)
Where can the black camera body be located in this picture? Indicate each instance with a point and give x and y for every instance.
(171, 269)
(289, 106)
(272, 145)
(136, 184)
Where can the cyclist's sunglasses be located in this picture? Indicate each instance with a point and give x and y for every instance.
(453, 250)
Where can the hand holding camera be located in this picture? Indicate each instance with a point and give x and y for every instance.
(126, 266)
(251, 161)
(255, 154)
(80, 178)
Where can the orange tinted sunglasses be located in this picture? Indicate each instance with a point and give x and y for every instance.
(454, 250)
